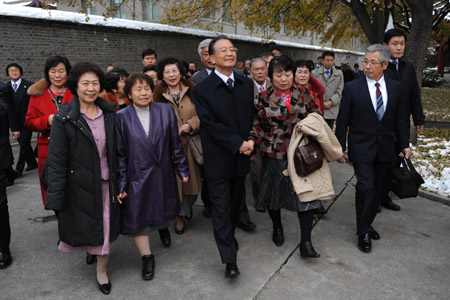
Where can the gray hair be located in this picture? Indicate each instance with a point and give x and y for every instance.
(385, 53)
(255, 60)
(203, 44)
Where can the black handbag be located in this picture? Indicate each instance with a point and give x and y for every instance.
(406, 180)
(308, 158)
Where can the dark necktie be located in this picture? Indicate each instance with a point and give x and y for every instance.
(380, 107)
(15, 87)
(327, 74)
(230, 83)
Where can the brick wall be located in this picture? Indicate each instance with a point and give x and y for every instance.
(30, 42)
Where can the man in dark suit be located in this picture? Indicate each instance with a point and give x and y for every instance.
(224, 102)
(6, 160)
(371, 112)
(403, 71)
(18, 93)
(206, 61)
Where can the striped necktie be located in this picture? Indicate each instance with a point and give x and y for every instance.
(380, 107)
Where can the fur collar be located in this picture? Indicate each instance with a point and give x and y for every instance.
(162, 88)
(38, 88)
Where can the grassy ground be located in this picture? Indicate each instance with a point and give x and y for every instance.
(431, 155)
(436, 103)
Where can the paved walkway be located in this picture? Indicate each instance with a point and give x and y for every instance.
(410, 261)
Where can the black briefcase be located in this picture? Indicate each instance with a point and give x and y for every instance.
(406, 180)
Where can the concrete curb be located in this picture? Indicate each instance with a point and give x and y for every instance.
(434, 197)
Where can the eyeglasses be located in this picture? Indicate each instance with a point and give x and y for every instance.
(372, 63)
(170, 72)
(225, 50)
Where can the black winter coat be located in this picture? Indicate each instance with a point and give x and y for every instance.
(74, 176)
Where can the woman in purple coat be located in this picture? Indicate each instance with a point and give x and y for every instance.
(149, 153)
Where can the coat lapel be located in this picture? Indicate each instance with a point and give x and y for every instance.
(148, 141)
(365, 96)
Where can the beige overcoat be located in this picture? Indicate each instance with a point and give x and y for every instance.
(187, 114)
(317, 185)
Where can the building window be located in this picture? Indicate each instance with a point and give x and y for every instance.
(150, 11)
(88, 8)
(116, 9)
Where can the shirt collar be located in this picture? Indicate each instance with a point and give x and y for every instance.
(392, 60)
(99, 113)
(260, 85)
(224, 77)
(208, 71)
(371, 82)
(18, 82)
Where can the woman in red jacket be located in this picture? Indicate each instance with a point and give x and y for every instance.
(303, 80)
(47, 95)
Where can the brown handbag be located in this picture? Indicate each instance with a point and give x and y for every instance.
(308, 158)
(195, 144)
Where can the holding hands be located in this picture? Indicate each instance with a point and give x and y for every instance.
(247, 147)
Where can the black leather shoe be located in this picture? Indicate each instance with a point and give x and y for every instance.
(179, 230)
(32, 167)
(5, 259)
(164, 235)
(307, 250)
(148, 267)
(232, 271)
(278, 236)
(207, 212)
(391, 205)
(373, 234)
(246, 226)
(90, 258)
(105, 288)
(364, 243)
(11, 177)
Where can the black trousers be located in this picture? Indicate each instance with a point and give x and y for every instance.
(330, 122)
(5, 229)
(244, 216)
(226, 195)
(371, 186)
(26, 154)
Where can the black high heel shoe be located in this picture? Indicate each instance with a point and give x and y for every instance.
(180, 230)
(307, 250)
(105, 288)
(90, 258)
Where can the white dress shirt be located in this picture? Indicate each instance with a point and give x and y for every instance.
(225, 77)
(18, 82)
(259, 86)
(373, 92)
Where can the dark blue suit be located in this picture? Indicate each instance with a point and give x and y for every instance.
(21, 100)
(371, 143)
(225, 121)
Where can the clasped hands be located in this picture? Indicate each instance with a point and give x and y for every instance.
(247, 147)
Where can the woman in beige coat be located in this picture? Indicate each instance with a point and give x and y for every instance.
(177, 92)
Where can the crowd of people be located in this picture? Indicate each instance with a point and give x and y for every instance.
(128, 154)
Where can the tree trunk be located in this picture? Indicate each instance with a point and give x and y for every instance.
(419, 36)
(418, 40)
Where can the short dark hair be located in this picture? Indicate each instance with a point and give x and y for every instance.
(275, 48)
(328, 53)
(82, 68)
(135, 77)
(53, 61)
(169, 61)
(266, 54)
(147, 52)
(282, 62)
(388, 35)
(14, 65)
(149, 68)
(355, 65)
(211, 49)
(302, 63)
(319, 57)
(113, 77)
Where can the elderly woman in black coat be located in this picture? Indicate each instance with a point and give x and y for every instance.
(82, 166)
